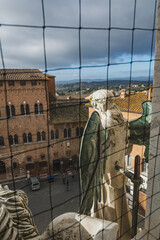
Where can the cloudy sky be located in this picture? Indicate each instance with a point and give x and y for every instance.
(23, 46)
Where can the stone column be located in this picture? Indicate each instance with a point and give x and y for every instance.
(152, 218)
(152, 221)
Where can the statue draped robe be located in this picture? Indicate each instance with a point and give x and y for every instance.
(103, 188)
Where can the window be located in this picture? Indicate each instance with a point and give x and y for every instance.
(81, 131)
(52, 135)
(41, 108)
(30, 166)
(128, 160)
(42, 164)
(1, 83)
(77, 132)
(22, 109)
(10, 140)
(68, 153)
(36, 108)
(43, 136)
(34, 83)
(27, 109)
(56, 134)
(69, 132)
(29, 137)
(8, 111)
(14, 165)
(24, 138)
(2, 168)
(22, 83)
(65, 133)
(38, 136)
(1, 141)
(15, 139)
(144, 165)
(10, 83)
(13, 110)
(42, 157)
(29, 159)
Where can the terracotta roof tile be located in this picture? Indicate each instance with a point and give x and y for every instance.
(132, 103)
(21, 74)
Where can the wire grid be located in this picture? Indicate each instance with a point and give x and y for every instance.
(80, 67)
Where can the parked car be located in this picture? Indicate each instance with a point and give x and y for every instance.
(34, 183)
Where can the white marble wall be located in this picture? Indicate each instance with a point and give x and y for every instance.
(152, 222)
(152, 218)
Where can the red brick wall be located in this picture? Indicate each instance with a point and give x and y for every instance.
(20, 124)
(51, 85)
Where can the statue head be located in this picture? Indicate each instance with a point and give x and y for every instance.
(102, 100)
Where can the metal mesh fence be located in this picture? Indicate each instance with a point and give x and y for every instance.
(107, 66)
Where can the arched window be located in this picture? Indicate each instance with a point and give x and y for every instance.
(69, 132)
(27, 109)
(1, 141)
(56, 134)
(81, 131)
(2, 167)
(8, 111)
(36, 108)
(10, 140)
(77, 132)
(43, 136)
(22, 109)
(41, 108)
(65, 133)
(15, 139)
(13, 110)
(38, 136)
(24, 138)
(52, 135)
(29, 137)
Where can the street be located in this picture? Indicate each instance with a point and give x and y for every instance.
(53, 194)
(40, 201)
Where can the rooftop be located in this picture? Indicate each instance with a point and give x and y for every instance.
(68, 113)
(22, 75)
(132, 103)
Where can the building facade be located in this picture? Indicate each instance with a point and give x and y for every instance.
(23, 122)
(36, 137)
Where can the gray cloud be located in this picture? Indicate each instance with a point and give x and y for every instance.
(23, 47)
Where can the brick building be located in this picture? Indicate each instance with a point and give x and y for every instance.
(25, 144)
(23, 122)
(131, 108)
(67, 121)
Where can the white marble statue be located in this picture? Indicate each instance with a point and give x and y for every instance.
(114, 193)
(108, 201)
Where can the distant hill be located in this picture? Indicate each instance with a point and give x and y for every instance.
(112, 82)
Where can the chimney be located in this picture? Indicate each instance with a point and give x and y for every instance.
(150, 94)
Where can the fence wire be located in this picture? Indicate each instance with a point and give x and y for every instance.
(48, 142)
